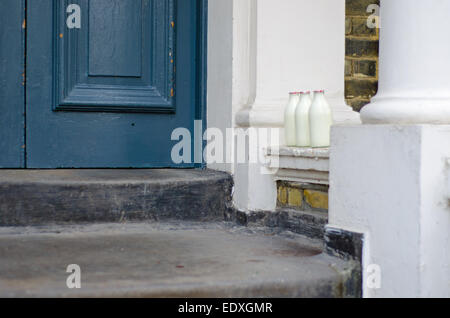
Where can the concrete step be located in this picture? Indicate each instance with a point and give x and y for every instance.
(39, 197)
(168, 259)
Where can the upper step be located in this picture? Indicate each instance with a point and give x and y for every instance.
(38, 197)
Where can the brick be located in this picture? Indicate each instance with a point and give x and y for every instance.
(295, 197)
(361, 47)
(357, 103)
(359, 7)
(282, 195)
(348, 67)
(360, 88)
(317, 199)
(348, 26)
(360, 28)
(365, 68)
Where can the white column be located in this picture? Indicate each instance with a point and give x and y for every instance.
(414, 83)
(389, 177)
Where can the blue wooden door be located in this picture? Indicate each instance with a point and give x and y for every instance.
(108, 92)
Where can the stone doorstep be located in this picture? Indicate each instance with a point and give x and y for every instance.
(39, 197)
(174, 259)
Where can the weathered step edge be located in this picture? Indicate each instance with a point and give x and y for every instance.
(309, 224)
(185, 195)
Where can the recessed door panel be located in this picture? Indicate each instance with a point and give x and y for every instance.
(122, 58)
(115, 50)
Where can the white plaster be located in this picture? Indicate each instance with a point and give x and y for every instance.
(435, 217)
(220, 57)
(388, 182)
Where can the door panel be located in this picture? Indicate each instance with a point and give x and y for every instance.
(12, 84)
(122, 59)
(116, 50)
(110, 93)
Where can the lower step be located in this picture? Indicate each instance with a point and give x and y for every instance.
(175, 259)
(38, 197)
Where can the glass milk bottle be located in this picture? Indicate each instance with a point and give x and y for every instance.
(320, 121)
(302, 121)
(289, 119)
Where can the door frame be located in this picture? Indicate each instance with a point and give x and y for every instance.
(19, 92)
(202, 70)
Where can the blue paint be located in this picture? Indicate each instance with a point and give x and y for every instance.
(92, 104)
(128, 56)
(12, 86)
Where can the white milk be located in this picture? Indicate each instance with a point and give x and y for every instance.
(289, 119)
(302, 121)
(320, 121)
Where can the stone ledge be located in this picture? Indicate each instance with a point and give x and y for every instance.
(305, 165)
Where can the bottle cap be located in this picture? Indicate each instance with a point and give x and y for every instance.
(320, 91)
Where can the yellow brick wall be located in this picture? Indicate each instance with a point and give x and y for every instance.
(302, 196)
(361, 57)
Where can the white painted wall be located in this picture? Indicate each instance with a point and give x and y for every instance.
(220, 75)
(259, 50)
(389, 182)
(301, 45)
(435, 217)
(282, 46)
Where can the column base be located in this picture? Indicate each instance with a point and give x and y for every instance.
(407, 111)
